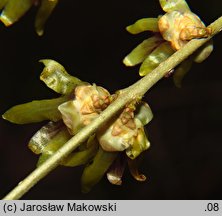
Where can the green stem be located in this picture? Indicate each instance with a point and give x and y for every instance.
(126, 95)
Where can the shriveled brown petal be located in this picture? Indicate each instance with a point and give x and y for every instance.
(133, 168)
(115, 172)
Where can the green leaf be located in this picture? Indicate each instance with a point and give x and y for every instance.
(35, 111)
(174, 5)
(14, 9)
(55, 77)
(181, 71)
(75, 158)
(160, 54)
(138, 54)
(144, 113)
(82, 157)
(96, 170)
(45, 10)
(42, 159)
(145, 24)
(53, 145)
(203, 52)
(3, 3)
(42, 137)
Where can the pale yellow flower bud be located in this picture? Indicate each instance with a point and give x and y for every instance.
(180, 27)
(89, 101)
(126, 133)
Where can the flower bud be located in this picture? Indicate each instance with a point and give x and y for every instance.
(126, 133)
(115, 137)
(180, 27)
(89, 101)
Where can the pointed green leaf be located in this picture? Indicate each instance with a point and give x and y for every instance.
(138, 54)
(160, 54)
(45, 10)
(96, 170)
(203, 52)
(145, 24)
(14, 9)
(181, 71)
(55, 77)
(174, 5)
(35, 111)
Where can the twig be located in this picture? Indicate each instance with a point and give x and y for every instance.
(126, 95)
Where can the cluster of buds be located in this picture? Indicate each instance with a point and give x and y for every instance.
(172, 31)
(13, 10)
(126, 132)
(121, 138)
(90, 100)
(179, 24)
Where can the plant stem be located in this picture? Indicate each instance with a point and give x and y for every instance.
(126, 95)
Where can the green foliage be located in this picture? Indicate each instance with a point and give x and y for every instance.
(13, 10)
(35, 111)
